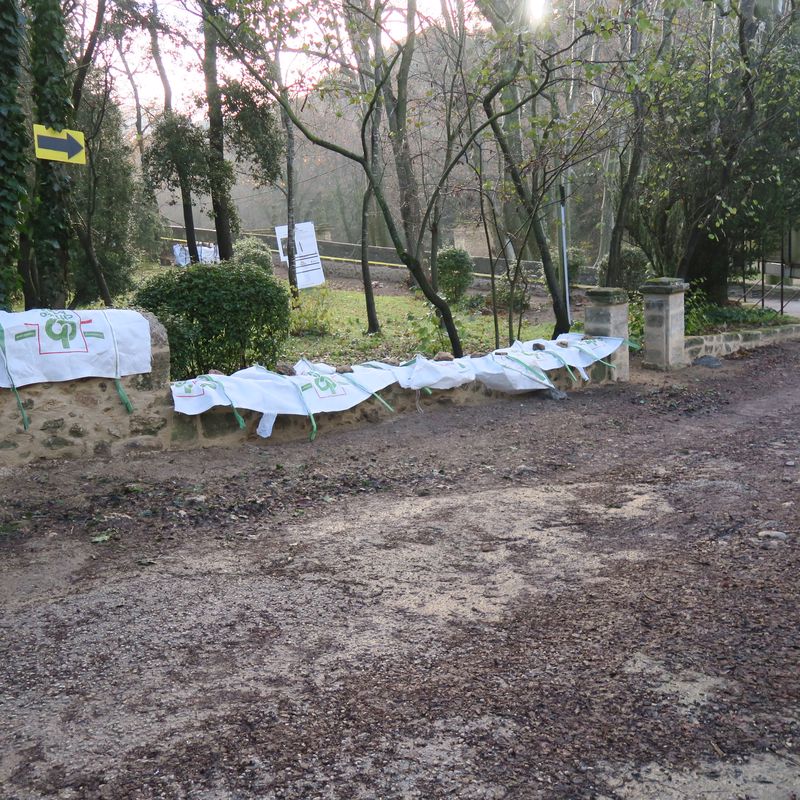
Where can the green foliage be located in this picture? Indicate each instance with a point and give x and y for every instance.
(454, 268)
(49, 59)
(635, 317)
(701, 316)
(475, 303)
(695, 313)
(636, 268)
(147, 225)
(218, 316)
(311, 314)
(520, 299)
(103, 194)
(50, 227)
(254, 131)
(252, 250)
(426, 332)
(177, 155)
(721, 167)
(13, 147)
(576, 259)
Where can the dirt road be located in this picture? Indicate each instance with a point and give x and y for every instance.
(592, 598)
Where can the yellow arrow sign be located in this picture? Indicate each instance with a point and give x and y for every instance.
(66, 145)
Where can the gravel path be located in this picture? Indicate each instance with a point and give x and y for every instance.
(591, 598)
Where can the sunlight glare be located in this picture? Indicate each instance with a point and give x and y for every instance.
(537, 10)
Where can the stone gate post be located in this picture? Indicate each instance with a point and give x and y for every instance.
(664, 323)
(607, 315)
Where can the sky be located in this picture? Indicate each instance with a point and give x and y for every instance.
(183, 65)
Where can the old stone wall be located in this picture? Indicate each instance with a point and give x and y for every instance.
(723, 344)
(85, 418)
(218, 427)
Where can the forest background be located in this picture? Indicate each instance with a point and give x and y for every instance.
(668, 132)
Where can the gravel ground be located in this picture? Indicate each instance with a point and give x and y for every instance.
(588, 598)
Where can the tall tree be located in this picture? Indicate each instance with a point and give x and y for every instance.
(224, 212)
(176, 157)
(14, 144)
(49, 224)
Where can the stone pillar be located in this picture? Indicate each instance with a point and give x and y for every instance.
(663, 323)
(607, 315)
(323, 232)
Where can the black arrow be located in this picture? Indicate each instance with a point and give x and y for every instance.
(71, 146)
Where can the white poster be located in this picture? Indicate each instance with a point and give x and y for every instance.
(43, 345)
(307, 261)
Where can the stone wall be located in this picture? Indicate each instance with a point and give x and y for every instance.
(85, 418)
(218, 427)
(723, 344)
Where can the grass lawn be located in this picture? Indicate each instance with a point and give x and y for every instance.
(407, 327)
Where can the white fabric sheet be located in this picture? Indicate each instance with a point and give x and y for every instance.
(43, 345)
(317, 387)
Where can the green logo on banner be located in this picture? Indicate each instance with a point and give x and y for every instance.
(60, 330)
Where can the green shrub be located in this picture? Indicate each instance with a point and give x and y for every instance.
(636, 317)
(218, 316)
(522, 294)
(695, 312)
(250, 250)
(311, 316)
(576, 259)
(701, 316)
(476, 303)
(636, 268)
(454, 268)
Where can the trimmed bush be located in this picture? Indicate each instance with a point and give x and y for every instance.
(251, 250)
(454, 269)
(218, 316)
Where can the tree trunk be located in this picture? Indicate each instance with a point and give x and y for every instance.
(27, 269)
(137, 104)
(397, 117)
(414, 266)
(373, 325)
(220, 196)
(614, 275)
(606, 222)
(155, 50)
(290, 181)
(526, 198)
(86, 239)
(614, 272)
(551, 278)
(705, 264)
(188, 219)
(87, 57)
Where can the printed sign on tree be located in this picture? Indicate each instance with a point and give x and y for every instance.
(307, 261)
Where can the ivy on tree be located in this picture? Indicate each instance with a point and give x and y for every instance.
(48, 272)
(14, 145)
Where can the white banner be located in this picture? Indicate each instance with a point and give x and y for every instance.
(317, 387)
(43, 345)
(422, 373)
